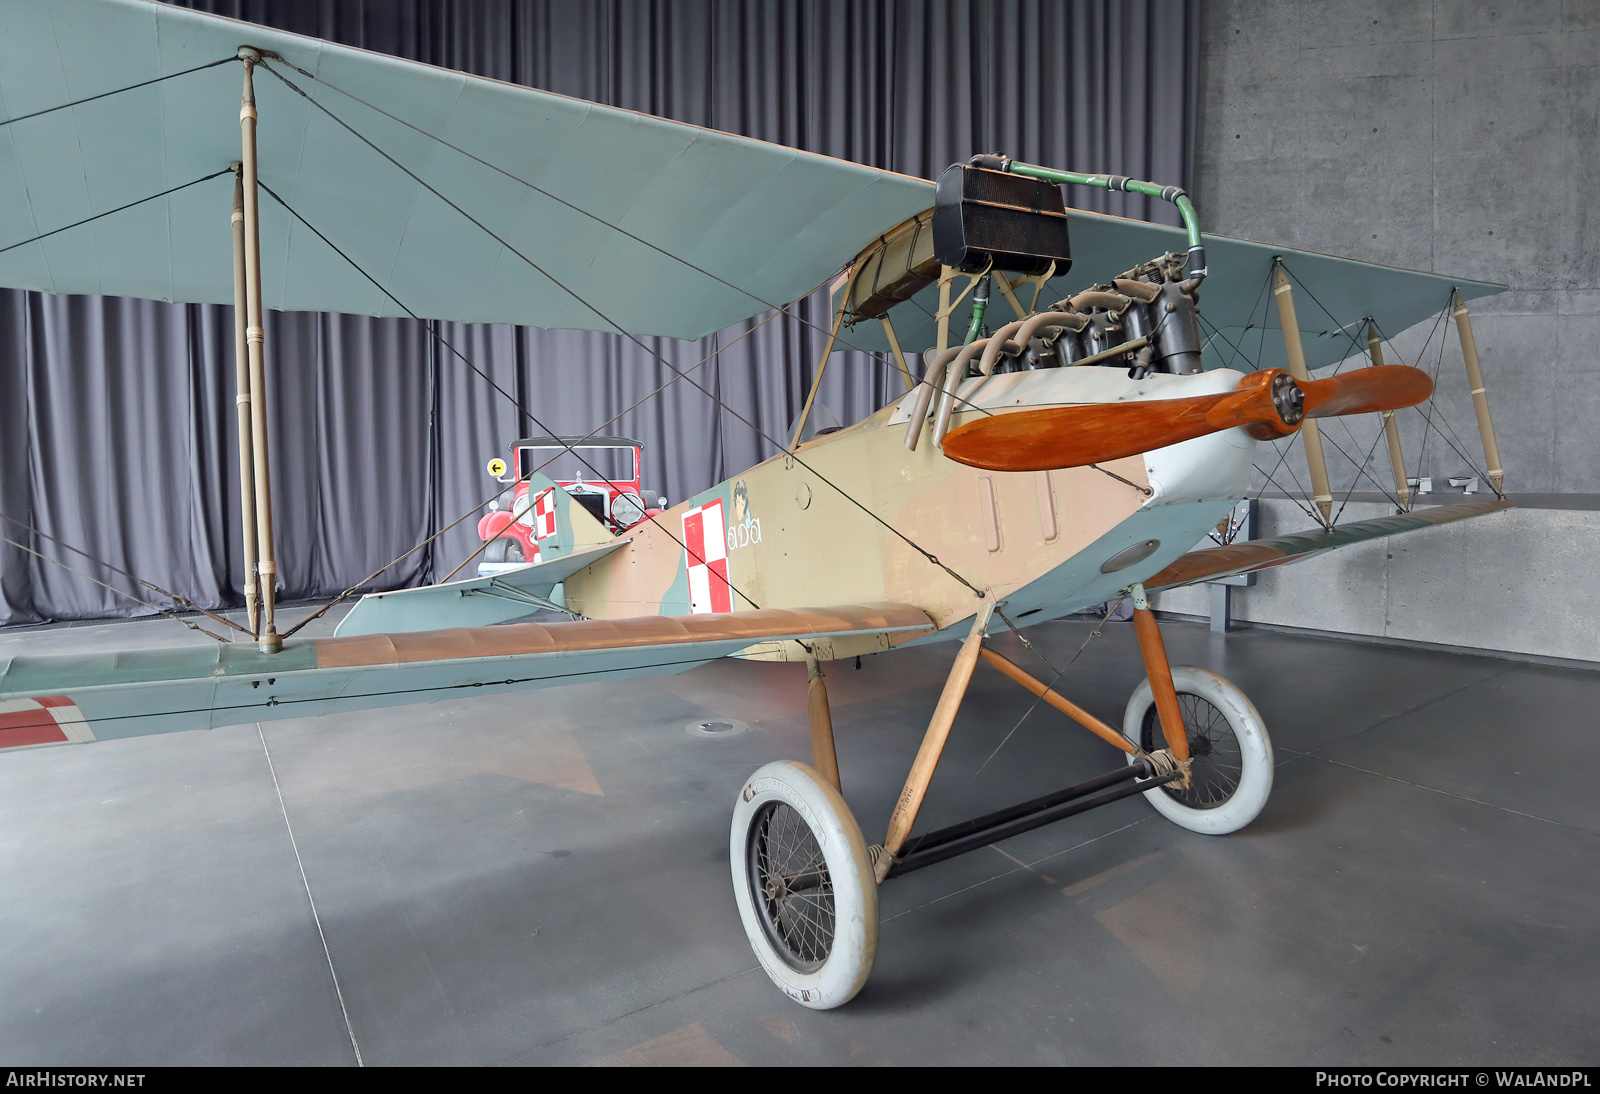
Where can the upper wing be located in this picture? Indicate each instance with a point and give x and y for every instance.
(634, 222)
(771, 222)
(1235, 302)
(50, 698)
(1261, 554)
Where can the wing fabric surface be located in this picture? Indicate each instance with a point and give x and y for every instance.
(127, 693)
(773, 221)
(1261, 554)
(770, 221)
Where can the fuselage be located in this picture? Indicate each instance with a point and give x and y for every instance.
(853, 516)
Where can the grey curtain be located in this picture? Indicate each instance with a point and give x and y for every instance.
(117, 416)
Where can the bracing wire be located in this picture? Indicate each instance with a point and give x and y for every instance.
(1057, 674)
(182, 601)
(432, 327)
(118, 209)
(839, 338)
(118, 91)
(928, 555)
(191, 624)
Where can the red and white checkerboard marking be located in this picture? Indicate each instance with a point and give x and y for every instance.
(544, 515)
(49, 719)
(705, 539)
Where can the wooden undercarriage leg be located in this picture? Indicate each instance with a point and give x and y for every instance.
(823, 757)
(922, 768)
(1065, 706)
(1159, 671)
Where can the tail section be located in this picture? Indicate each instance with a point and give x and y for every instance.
(561, 524)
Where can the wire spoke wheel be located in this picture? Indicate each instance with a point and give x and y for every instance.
(804, 885)
(791, 887)
(1216, 759)
(1230, 754)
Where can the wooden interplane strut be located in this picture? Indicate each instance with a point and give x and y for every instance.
(255, 338)
(1391, 428)
(1310, 433)
(242, 403)
(1480, 399)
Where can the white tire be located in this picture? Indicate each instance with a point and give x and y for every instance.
(1228, 744)
(815, 931)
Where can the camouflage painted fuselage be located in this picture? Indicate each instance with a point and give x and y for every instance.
(836, 521)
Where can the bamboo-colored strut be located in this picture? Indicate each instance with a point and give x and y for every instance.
(241, 376)
(824, 759)
(1391, 428)
(1480, 400)
(944, 716)
(255, 337)
(1316, 462)
(1159, 671)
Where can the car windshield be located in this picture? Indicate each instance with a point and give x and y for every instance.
(579, 463)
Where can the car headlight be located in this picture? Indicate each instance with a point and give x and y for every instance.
(627, 510)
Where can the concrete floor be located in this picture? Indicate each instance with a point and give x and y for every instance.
(543, 879)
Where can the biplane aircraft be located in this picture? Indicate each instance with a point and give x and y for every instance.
(1072, 457)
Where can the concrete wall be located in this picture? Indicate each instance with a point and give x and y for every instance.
(1459, 137)
(1521, 581)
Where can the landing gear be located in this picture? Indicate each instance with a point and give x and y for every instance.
(1230, 753)
(803, 881)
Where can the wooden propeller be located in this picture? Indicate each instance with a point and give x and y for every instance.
(1269, 404)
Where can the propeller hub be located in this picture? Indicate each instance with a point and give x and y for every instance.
(1288, 399)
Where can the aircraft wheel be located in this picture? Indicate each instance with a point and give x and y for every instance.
(803, 881)
(505, 549)
(1231, 773)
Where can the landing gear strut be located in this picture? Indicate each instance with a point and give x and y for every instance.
(806, 881)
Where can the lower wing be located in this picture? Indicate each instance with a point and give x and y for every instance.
(1260, 554)
(52, 698)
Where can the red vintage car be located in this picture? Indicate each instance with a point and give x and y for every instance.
(602, 474)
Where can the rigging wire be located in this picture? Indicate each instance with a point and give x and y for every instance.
(1285, 446)
(500, 493)
(174, 597)
(118, 209)
(794, 455)
(1434, 411)
(432, 327)
(193, 626)
(882, 358)
(950, 803)
(118, 91)
(1360, 350)
(1355, 343)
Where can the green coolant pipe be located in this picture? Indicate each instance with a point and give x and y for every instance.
(1116, 184)
(980, 304)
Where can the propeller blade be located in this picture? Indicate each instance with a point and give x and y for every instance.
(1382, 387)
(1268, 403)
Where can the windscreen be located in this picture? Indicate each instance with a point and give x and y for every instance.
(587, 464)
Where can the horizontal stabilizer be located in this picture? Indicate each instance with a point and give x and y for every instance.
(1260, 554)
(475, 602)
